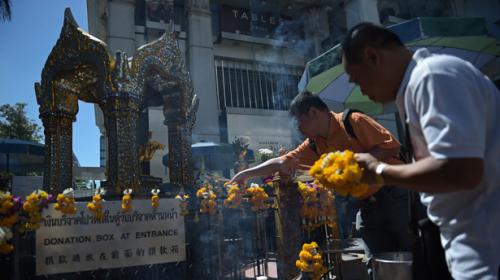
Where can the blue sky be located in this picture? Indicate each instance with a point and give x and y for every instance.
(25, 43)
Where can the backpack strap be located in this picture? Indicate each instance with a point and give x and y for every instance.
(347, 123)
(313, 146)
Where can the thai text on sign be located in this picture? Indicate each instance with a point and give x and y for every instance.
(80, 242)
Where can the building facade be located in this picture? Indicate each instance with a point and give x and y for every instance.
(246, 56)
(245, 59)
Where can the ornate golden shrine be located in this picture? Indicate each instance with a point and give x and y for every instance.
(80, 67)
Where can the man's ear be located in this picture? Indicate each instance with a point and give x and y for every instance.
(371, 56)
(313, 112)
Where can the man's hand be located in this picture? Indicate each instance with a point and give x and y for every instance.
(428, 174)
(264, 169)
(369, 163)
(240, 178)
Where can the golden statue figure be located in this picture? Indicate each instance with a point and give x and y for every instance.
(147, 151)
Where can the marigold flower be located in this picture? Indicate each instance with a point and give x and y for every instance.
(310, 260)
(318, 206)
(234, 196)
(66, 202)
(33, 205)
(340, 172)
(6, 248)
(155, 198)
(95, 206)
(257, 197)
(207, 196)
(127, 200)
(9, 208)
(5, 237)
(183, 203)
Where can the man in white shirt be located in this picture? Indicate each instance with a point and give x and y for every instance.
(452, 111)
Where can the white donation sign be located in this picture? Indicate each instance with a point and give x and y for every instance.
(80, 242)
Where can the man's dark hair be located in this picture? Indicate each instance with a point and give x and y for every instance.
(304, 101)
(365, 35)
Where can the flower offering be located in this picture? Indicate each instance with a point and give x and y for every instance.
(127, 200)
(257, 197)
(95, 206)
(233, 199)
(340, 171)
(310, 260)
(33, 205)
(5, 237)
(66, 202)
(9, 207)
(318, 206)
(183, 203)
(207, 196)
(155, 198)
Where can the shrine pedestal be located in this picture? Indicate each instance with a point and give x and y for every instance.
(288, 227)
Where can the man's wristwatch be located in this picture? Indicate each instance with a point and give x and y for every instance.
(379, 178)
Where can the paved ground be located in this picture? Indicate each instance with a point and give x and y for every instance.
(271, 267)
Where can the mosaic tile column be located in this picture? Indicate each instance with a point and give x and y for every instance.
(121, 123)
(180, 124)
(288, 227)
(58, 130)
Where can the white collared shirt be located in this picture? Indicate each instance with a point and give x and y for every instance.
(453, 111)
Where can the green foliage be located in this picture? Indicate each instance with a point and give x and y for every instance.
(5, 10)
(5, 179)
(15, 124)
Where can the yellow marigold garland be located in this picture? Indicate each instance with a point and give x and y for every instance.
(33, 205)
(309, 193)
(6, 202)
(257, 197)
(95, 206)
(9, 221)
(234, 194)
(155, 198)
(183, 203)
(318, 207)
(207, 196)
(9, 207)
(66, 202)
(340, 171)
(310, 260)
(5, 237)
(127, 200)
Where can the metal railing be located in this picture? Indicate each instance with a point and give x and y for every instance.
(254, 84)
(234, 244)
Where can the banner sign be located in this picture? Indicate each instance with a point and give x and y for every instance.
(244, 21)
(80, 242)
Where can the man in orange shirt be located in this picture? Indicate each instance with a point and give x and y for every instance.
(383, 210)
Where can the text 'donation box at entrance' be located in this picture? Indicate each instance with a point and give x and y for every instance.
(80, 242)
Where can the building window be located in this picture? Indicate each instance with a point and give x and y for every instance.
(256, 85)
